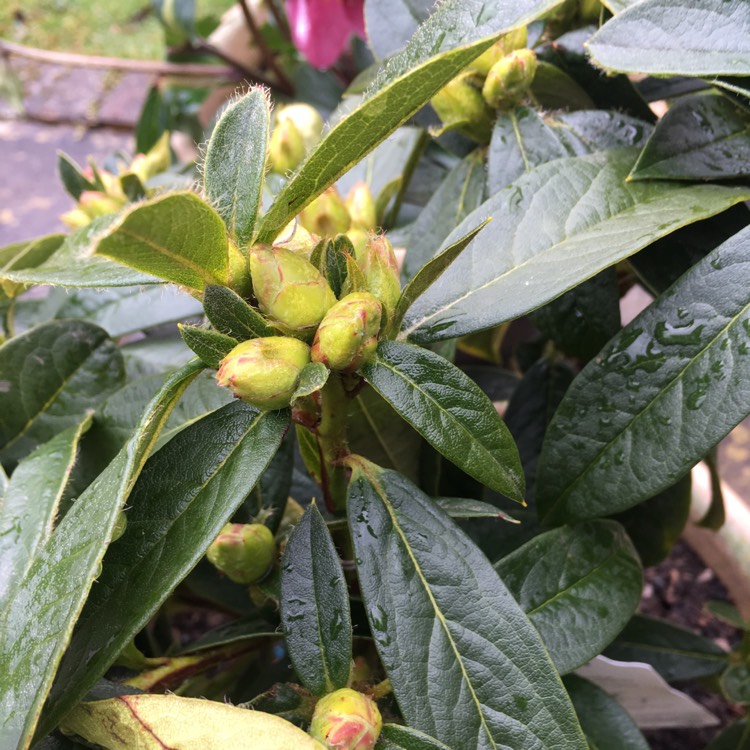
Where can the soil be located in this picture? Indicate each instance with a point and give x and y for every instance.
(677, 590)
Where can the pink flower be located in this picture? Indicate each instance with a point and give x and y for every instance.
(321, 28)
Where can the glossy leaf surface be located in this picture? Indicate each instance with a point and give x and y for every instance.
(50, 376)
(450, 411)
(465, 664)
(592, 220)
(579, 586)
(187, 491)
(669, 37)
(231, 315)
(60, 578)
(235, 163)
(177, 237)
(677, 376)
(315, 607)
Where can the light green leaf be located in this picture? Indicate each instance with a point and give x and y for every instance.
(605, 722)
(49, 377)
(701, 137)
(29, 506)
(315, 607)
(462, 507)
(40, 616)
(579, 586)
(313, 377)
(678, 37)
(177, 237)
(678, 375)
(465, 664)
(231, 315)
(456, 33)
(592, 220)
(74, 263)
(450, 411)
(235, 163)
(187, 491)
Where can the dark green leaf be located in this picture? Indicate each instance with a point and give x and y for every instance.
(465, 665)
(244, 629)
(450, 411)
(428, 274)
(210, 346)
(177, 237)
(677, 376)
(332, 262)
(315, 607)
(675, 653)
(553, 88)
(50, 377)
(598, 219)
(461, 507)
(727, 613)
(236, 161)
(734, 737)
(715, 516)
(605, 722)
(579, 586)
(39, 618)
(188, 490)
(655, 525)
(458, 32)
(680, 37)
(30, 254)
(460, 193)
(269, 497)
(129, 309)
(521, 140)
(152, 123)
(396, 737)
(701, 137)
(312, 379)
(588, 131)
(231, 315)
(29, 506)
(735, 683)
(75, 264)
(71, 176)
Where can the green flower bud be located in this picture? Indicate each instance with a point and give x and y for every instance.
(346, 720)
(286, 149)
(327, 215)
(510, 78)
(243, 552)
(296, 238)
(306, 120)
(156, 161)
(289, 288)
(264, 372)
(94, 203)
(358, 238)
(590, 11)
(510, 42)
(348, 335)
(239, 271)
(380, 269)
(461, 107)
(361, 207)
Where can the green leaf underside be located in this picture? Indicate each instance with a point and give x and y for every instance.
(49, 377)
(210, 346)
(29, 254)
(231, 315)
(675, 653)
(702, 137)
(187, 491)
(313, 377)
(677, 377)
(604, 721)
(460, 507)
(450, 411)
(592, 220)
(177, 237)
(315, 607)
(669, 37)
(235, 163)
(465, 665)
(60, 578)
(452, 37)
(29, 507)
(579, 586)
(74, 263)
(397, 737)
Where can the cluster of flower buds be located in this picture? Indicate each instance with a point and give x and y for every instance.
(243, 552)
(289, 284)
(346, 720)
(497, 79)
(111, 196)
(297, 130)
